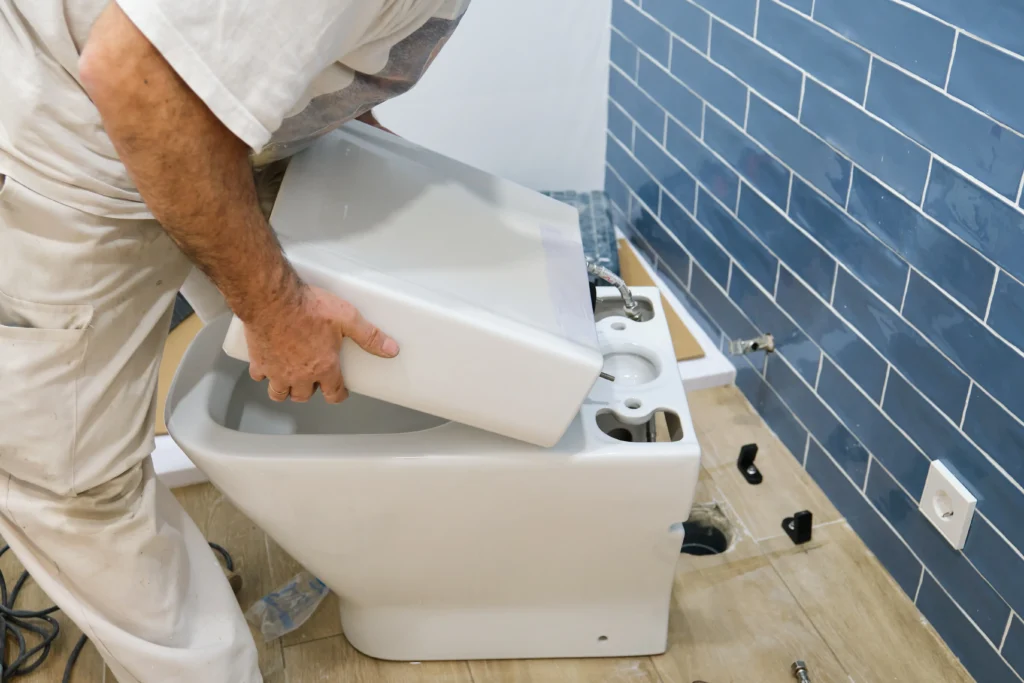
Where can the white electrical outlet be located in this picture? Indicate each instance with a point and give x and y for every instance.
(947, 504)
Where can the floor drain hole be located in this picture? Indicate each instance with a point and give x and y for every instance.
(706, 533)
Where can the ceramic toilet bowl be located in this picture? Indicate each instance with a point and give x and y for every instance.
(443, 541)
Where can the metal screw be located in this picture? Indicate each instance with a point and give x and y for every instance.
(605, 375)
(800, 671)
(751, 470)
(792, 525)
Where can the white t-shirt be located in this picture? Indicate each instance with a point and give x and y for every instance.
(277, 73)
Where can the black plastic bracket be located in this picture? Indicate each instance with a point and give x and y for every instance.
(798, 527)
(746, 465)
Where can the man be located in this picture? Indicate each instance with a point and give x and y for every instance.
(128, 137)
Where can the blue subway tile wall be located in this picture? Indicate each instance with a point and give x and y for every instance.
(847, 176)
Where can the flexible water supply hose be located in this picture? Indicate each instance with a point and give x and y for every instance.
(629, 304)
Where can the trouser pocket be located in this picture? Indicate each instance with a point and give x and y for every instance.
(42, 347)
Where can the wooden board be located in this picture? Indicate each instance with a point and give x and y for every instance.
(633, 272)
(177, 342)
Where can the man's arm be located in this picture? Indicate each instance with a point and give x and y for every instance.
(195, 177)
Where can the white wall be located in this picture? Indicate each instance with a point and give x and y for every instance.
(520, 91)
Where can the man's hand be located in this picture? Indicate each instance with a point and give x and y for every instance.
(194, 175)
(300, 350)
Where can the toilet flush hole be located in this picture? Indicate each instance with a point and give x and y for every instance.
(633, 403)
(619, 326)
(602, 639)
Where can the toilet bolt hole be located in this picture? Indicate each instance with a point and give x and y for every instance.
(619, 326)
(633, 403)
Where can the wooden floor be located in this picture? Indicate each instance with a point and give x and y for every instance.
(739, 617)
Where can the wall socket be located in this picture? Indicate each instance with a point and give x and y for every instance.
(947, 504)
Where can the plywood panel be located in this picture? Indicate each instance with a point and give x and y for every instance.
(724, 422)
(871, 625)
(686, 346)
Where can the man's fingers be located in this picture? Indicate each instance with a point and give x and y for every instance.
(332, 386)
(369, 336)
(276, 394)
(302, 392)
(256, 373)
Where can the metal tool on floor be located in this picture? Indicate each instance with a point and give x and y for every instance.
(800, 671)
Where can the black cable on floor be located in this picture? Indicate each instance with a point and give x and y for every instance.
(15, 624)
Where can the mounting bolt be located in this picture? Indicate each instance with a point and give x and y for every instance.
(800, 671)
(798, 527)
(745, 463)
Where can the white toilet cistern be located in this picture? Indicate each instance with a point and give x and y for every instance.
(485, 494)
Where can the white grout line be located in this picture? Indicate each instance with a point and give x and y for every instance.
(1020, 188)
(689, 275)
(849, 191)
(821, 364)
(757, 12)
(800, 106)
(928, 179)
(632, 139)
(906, 288)
(867, 83)
(778, 274)
(835, 279)
(952, 56)
(704, 117)
(746, 110)
(812, 8)
(664, 133)
(885, 386)
(661, 195)
(920, 582)
(728, 277)
(967, 402)
(707, 52)
(991, 296)
(1006, 632)
(789, 192)
(867, 475)
(739, 193)
(807, 449)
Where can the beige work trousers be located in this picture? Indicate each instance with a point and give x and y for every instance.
(85, 305)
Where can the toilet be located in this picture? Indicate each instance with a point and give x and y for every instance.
(546, 526)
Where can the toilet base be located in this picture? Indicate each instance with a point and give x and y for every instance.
(414, 635)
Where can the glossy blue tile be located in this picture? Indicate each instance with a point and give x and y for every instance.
(913, 40)
(829, 58)
(838, 339)
(670, 254)
(756, 66)
(852, 245)
(949, 566)
(664, 168)
(686, 20)
(697, 242)
(996, 432)
(990, 152)
(905, 348)
(703, 319)
(804, 6)
(895, 159)
(977, 656)
(709, 81)
(957, 268)
(796, 250)
(749, 159)
(624, 54)
(1013, 647)
(616, 189)
(796, 147)
(1007, 313)
(980, 76)
(867, 422)
(981, 219)
(737, 240)
(633, 174)
(641, 30)
(619, 124)
(997, 561)
(998, 21)
(677, 100)
(877, 536)
(790, 341)
(739, 13)
(992, 363)
(717, 177)
(723, 311)
(637, 104)
(773, 410)
(814, 415)
(998, 498)
(641, 245)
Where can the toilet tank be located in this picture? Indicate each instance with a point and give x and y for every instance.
(481, 282)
